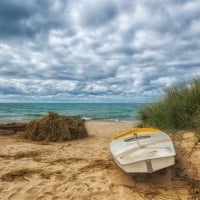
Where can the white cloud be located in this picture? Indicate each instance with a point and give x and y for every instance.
(101, 49)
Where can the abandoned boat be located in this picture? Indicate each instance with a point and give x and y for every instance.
(142, 150)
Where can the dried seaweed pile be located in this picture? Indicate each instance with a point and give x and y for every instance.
(54, 127)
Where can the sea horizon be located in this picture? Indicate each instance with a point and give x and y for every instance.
(21, 111)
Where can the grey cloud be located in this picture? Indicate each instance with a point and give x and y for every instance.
(27, 19)
(11, 90)
(94, 14)
(105, 49)
(13, 17)
(15, 10)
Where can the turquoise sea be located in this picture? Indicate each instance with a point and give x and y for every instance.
(15, 112)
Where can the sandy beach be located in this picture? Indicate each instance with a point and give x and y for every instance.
(82, 170)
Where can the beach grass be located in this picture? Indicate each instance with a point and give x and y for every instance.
(179, 108)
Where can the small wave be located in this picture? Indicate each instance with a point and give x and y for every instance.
(87, 118)
(111, 120)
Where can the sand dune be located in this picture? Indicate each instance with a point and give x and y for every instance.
(80, 170)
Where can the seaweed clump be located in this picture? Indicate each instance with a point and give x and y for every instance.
(55, 127)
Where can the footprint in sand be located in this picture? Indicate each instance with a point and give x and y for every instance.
(45, 196)
(14, 194)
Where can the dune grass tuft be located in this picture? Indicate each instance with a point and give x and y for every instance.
(178, 109)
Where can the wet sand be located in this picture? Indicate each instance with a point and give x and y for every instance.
(81, 170)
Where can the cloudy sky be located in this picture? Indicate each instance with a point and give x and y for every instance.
(96, 50)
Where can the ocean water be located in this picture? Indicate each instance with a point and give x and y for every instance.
(16, 112)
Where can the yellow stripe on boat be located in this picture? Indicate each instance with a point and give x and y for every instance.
(136, 131)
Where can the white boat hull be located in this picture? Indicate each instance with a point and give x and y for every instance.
(142, 150)
(147, 166)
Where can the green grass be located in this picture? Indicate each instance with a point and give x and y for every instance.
(178, 109)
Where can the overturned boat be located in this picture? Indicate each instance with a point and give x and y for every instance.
(142, 150)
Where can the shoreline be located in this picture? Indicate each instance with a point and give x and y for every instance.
(136, 122)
